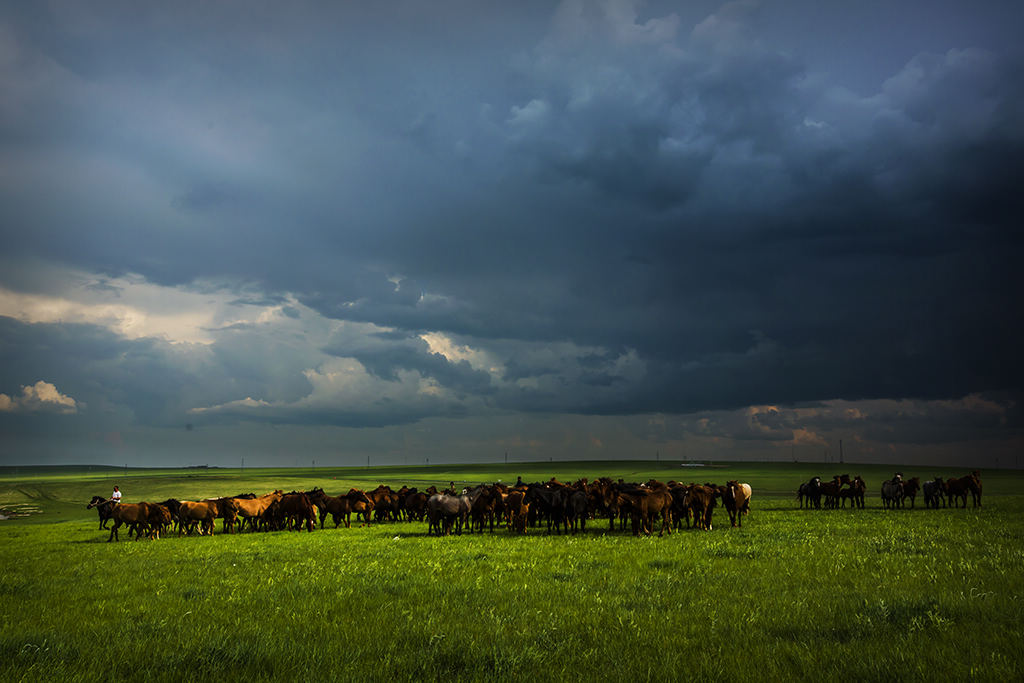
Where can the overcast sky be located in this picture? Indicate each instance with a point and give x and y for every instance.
(451, 230)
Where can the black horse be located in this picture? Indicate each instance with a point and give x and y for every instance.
(810, 493)
(104, 507)
(549, 504)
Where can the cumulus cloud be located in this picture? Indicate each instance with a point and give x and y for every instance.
(39, 397)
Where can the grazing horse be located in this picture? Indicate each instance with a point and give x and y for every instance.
(104, 507)
(736, 499)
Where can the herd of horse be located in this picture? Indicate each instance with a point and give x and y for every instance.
(895, 492)
(559, 507)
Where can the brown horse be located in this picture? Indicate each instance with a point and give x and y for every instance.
(340, 508)
(158, 520)
(251, 510)
(135, 515)
(701, 501)
(832, 489)
(960, 487)
(858, 486)
(658, 505)
(362, 505)
(518, 510)
(203, 513)
(415, 505)
(385, 503)
(298, 511)
(485, 508)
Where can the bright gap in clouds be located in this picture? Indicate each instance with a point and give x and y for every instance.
(443, 345)
(134, 309)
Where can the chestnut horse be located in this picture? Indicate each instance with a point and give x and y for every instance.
(135, 515)
(251, 510)
(959, 488)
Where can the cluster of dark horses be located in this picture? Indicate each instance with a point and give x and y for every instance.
(567, 508)
(895, 492)
(561, 507)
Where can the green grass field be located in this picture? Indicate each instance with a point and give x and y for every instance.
(869, 595)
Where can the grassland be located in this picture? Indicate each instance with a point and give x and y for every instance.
(867, 595)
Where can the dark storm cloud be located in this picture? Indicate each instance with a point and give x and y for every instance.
(626, 208)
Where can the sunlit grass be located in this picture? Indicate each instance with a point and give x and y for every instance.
(928, 594)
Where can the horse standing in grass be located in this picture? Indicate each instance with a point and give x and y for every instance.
(960, 487)
(934, 493)
(104, 507)
(809, 493)
(736, 499)
(134, 515)
(910, 488)
(892, 493)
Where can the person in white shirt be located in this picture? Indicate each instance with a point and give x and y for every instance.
(115, 497)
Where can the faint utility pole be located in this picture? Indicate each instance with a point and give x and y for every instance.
(840, 451)
(243, 465)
